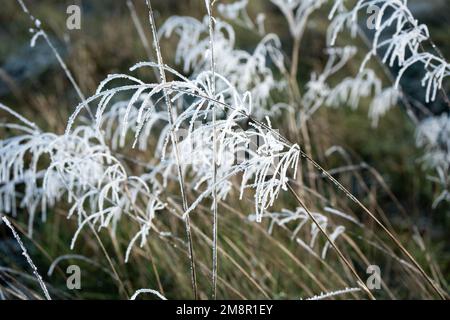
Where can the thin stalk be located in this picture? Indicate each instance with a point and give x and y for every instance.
(140, 30)
(175, 146)
(41, 31)
(295, 58)
(108, 258)
(338, 251)
(28, 258)
(214, 191)
(222, 251)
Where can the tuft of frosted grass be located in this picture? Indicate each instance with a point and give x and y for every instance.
(433, 135)
(74, 164)
(151, 291)
(297, 13)
(325, 295)
(237, 11)
(27, 257)
(300, 219)
(236, 107)
(83, 169)
(382, 103)
(403, 48)
(245, 71)
(350, 90)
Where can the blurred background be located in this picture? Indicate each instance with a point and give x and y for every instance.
(32, 82)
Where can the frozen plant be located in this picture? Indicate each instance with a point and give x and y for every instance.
(433, 135)
(211, 129)
(300, 219)
(245, 71)
(403, 48)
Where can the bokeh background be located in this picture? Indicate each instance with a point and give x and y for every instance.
(32, 82)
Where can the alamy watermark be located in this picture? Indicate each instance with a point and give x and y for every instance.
(374, 12)
(73, 21)
(373, 282)
(73, 281)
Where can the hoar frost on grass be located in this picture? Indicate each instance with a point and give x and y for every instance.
(85, 167)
